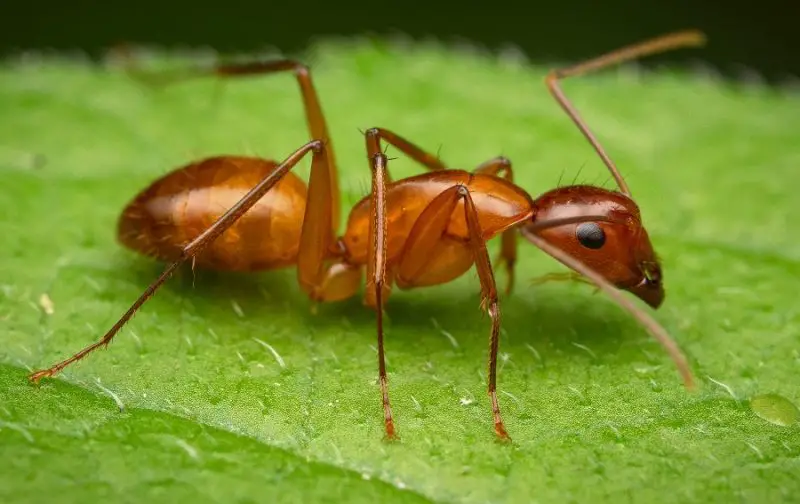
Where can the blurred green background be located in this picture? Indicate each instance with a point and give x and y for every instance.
(749, 39)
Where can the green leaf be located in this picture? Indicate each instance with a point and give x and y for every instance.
(187, 403)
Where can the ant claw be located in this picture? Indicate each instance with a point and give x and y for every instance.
(502, 435)
(38, 375)
(391, 434)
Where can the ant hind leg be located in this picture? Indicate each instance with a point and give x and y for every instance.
(195, 247)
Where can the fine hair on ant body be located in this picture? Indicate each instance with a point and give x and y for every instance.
(423, 230)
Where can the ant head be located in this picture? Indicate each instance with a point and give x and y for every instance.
(611, 240)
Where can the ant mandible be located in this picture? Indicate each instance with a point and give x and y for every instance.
(423, 230)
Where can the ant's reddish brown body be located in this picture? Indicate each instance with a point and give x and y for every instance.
(423, 230)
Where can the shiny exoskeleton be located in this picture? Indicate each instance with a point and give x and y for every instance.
(237, 213)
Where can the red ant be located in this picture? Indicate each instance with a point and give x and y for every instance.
(423, 230)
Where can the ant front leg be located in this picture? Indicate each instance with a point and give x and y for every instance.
(428, 233)
(197, 245)
(561, 276)
(489, 300)
(508, 246)
(653, 327)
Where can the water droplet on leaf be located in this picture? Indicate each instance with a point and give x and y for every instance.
(775, 409)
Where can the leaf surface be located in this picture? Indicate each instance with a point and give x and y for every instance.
(189, 403)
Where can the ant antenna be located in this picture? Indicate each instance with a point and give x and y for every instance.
(653, 327)
(688, 38)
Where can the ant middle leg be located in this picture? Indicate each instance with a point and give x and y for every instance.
(377, 283)
(410, 149)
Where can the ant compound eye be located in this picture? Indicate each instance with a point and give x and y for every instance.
(591, 235)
